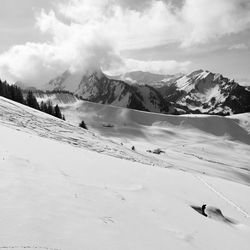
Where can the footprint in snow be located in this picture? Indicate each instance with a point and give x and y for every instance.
(188, 237)
(120, 197)
(107, 220)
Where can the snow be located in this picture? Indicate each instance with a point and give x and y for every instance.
(183, 83)
(205, 92)
(203, 75)
(59, 98)
(192, 139)
(243, 120)
(66, 188)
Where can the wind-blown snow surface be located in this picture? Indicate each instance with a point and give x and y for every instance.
(58, 191)
(218, 146)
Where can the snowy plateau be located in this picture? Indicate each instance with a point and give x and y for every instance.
(67, 188)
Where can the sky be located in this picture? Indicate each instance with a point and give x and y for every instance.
(40, 39)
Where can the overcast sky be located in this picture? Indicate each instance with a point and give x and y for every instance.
(42, 38)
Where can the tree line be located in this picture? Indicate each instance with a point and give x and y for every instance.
(15, 93)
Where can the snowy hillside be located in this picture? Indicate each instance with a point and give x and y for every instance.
(181, 136)
(66, 188)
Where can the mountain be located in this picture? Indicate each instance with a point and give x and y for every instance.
(25, 86)
(205, 92)
(200, 92)
(146, 78)
(66, 81)
(97, 87)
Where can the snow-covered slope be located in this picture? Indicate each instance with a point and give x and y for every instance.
(35, 122)
(181, 137)
(58, 192)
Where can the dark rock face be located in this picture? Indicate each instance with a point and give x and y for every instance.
(238, 100)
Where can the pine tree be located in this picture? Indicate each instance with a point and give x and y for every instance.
(19, 95)
(50, 109)
(31, 101)
(57, 112)
(83, 125)
(43, 107)
(15, 93)
(11, 92)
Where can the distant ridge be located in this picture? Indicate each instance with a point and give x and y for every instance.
(199, 92)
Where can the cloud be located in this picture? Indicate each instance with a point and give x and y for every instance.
(211, 19)
(244, 81)
(239, 46)
(157, 67)
(155, 22)
(92, 33)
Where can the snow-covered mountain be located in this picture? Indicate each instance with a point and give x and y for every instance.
(198, 92)
(206, 92)
(97, 87)
(63, 187)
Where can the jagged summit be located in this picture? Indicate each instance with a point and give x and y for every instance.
(205, 92)
(95, 86)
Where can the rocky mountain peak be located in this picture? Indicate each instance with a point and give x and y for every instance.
(200, 91)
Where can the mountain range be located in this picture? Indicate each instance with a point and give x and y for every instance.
(97, 87)
(200, 92)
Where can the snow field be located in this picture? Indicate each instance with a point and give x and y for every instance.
(58, 191)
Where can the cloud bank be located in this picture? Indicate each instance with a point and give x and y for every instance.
(88, 34)
(239, 46)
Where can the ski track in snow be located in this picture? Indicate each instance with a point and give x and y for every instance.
(227, 200)
(207, 160)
